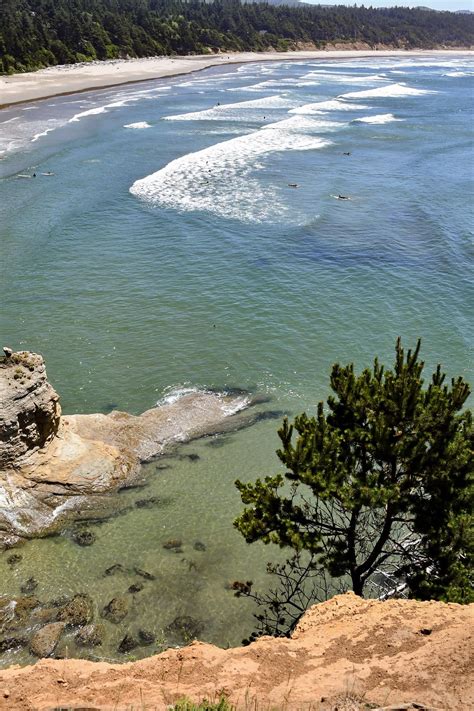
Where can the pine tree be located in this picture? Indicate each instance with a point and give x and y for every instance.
(377, 491)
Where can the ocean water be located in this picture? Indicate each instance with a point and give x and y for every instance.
(188, 233)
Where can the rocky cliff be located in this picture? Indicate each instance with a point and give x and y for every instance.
(346, 654)
(53, 466)
(29, 412)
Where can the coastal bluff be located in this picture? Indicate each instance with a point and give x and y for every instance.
(346, 654)
(55, 467)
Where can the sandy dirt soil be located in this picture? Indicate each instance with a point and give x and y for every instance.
(67, 79)
(347, 653)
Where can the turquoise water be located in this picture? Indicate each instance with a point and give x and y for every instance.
(168, 250)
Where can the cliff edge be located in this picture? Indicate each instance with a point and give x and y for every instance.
(346, 654)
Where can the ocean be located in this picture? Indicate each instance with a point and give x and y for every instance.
(191, 233)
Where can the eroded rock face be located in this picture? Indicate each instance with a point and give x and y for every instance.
(30, 410)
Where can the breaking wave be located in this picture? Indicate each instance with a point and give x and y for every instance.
(386, 92)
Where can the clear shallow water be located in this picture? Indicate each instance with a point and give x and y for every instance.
(168, 249)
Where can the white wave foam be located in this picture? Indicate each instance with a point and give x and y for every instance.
(390, 91)
(240, 403)
(175, 393)
(226, 111)
(37, 136)
(90, 112)
(219, 179)
(15, 118)
(302, 124)
(334, 77)
(321, 107)
(379, 118)
(458, 74)
(138, 124)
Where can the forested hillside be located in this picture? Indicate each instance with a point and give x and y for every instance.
(38, 33)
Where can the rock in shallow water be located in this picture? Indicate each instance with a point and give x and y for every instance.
(84, 537)
(43, 643)
(114, 569)
(79, 611)
(29, 587)
(146, 637)
(127, 644)
(145, 574)
(116, 610)
(91, 636)
(185, 627)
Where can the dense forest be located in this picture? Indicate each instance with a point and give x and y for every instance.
(39, 33)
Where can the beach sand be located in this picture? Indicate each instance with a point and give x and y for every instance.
(72, 78)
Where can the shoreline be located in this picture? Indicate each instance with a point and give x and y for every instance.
(66, 79)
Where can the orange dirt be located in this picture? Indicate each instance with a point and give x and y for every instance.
(347, 653)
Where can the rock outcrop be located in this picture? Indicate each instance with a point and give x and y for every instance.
(29, 412)
(348, 654)
(52, 467)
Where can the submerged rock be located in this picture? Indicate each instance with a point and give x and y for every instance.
(12, 643)
(185, 627)
(144, 574)
(199, 546)
(91, 635)
(114, 569)
(146, 637)
(30, 586)
(147, 503)
(14, 559)
(136, 588)
(116, 610)
(127, 644)
(24, 606)
(84, 537)
(79, 611)
(43, 643)
(173, 544)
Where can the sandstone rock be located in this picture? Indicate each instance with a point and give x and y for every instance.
(43, 642)
(116, 610)
(79, 611)
(91, 635)
(54, 466)
(30, 412)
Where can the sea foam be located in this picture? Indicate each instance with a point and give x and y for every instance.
(138, 124)
(379, 118)
(388, 92)
(222, 179)
(233, 111)
(321, 107)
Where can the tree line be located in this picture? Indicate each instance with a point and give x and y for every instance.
(40, 33)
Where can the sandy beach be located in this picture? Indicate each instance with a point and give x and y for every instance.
(72, 78)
